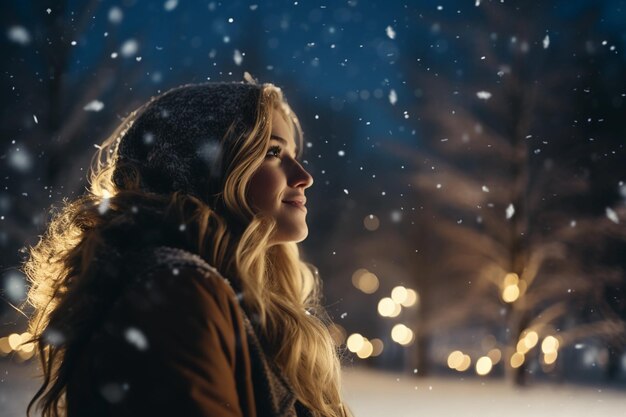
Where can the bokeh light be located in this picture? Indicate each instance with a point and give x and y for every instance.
(14, 340)
(5, 348)
(530, 339)
(466, 362)
(495, 355)
(399, 294)
(483, 365)
(550, 357)
(388, 308)
(521, 347)
(369, 283)
(454, 359)
(366, 350)
(412, 298)
(517, 360)
(550, 344)
(356, 276)
(365, 281)
(371, 222)
(511, 279)
(377, 347)
(355, 342)
(402, 334)
(510, 293)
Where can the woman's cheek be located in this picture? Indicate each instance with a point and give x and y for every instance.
(264, 189)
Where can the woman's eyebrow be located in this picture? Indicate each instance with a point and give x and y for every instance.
(278, 138)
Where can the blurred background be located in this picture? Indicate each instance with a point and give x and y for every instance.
(468, 211)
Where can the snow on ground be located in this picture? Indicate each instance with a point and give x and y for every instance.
(385, 394)
(375, 394)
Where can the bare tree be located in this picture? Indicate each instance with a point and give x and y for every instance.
(498, 182)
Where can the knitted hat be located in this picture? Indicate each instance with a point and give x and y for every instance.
(176, 140)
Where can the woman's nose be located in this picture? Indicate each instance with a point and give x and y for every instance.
(300, 177)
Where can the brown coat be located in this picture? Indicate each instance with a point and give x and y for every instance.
(177, 343)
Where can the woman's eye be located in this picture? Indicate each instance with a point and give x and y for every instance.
(274, 151)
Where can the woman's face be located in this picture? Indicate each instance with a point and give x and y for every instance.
(277, 187)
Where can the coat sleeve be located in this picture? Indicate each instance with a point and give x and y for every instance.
(170, 348)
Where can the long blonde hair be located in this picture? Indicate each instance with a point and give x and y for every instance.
(69, 293)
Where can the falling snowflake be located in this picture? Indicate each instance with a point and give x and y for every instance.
(170, 5)
(237, 57)
(114, 392)
(53, 337)
(18, 34)
(345, 191)
(35, 119)
(510, 211)
(136, 338)
(622, 189)
(115, 15)
(211, 153)
(477, 3)
(546, 42)
(485, 188)
(393, 97)
(390, 32)
(20, 159)
(15, 287)
(104, 204)
(612, 215)
(148, 138)
(483, 95)
(396, 216)
(94, 105)
(129, 48)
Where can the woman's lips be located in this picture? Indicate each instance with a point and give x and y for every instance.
(297, 204)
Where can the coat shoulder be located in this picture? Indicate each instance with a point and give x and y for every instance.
(164, 263)
(169, 336)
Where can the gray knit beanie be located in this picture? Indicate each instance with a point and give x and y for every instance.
(176, 141)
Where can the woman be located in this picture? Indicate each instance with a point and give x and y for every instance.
(174, 286)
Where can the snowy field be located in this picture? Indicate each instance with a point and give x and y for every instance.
(380, 394)
(376, 394)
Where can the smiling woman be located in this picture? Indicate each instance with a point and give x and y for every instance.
(277, 187)
(175, 286)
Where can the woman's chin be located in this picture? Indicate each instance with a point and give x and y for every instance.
(294, 235)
